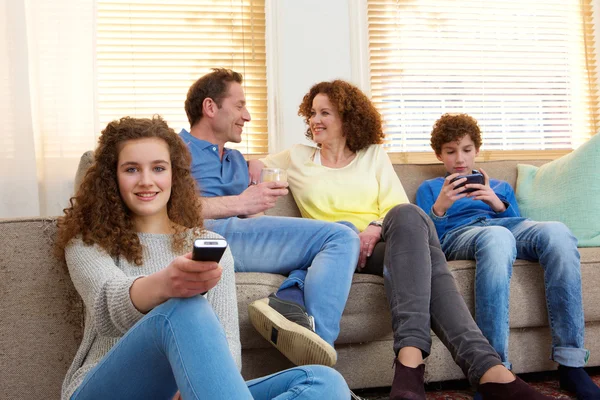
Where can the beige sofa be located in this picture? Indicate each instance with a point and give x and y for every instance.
(41, 313)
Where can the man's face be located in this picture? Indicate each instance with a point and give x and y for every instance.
(230, 117)
(459, 157)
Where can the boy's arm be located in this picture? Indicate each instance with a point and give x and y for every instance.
(425, 200)
(507, 196)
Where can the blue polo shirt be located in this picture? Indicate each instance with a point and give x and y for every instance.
(228, 177)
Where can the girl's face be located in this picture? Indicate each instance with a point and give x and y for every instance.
(145, 177)
(325, 121)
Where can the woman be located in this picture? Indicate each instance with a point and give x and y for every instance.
(148, 331)
(350, 178)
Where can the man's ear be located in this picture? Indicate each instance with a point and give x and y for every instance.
(209, 107)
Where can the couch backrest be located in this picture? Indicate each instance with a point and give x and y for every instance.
(41, 314)
(412, 175)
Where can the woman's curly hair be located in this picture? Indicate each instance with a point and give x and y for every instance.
(361, 122)
(98, 214)
(452, 128)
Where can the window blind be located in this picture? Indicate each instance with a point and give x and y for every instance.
(525, 69)
(150, 52)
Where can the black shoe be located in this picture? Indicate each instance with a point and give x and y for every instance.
(288, 327)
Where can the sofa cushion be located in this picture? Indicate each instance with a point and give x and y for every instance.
(566, 190)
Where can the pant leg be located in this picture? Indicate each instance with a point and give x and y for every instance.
(178, 345)
(327, 251)
(310, 382)
(556, 249)
(494, 249)
(421, 289)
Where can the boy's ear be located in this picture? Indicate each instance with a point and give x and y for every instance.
(476, 152)
(439, 157)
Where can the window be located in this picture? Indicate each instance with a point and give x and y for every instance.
(521, 67)
(150, 52)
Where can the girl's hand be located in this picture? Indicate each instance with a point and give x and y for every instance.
(368, 239)
(448, 195)
(185, 277)
(486, 194)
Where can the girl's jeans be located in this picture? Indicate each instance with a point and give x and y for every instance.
(181, 345)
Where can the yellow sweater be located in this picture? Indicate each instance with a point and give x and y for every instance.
(361, 192)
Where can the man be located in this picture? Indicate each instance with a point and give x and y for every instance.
(302, 318)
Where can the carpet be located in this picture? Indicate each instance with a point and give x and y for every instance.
(544, 382)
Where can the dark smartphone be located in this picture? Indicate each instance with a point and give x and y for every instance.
(475, 177)
(208, 250)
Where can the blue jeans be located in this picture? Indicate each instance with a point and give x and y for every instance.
(181, 345)
(495, 244)
(319, 257)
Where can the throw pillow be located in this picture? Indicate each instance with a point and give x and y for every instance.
(566, 190)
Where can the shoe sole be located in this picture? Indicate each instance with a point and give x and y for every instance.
(300, 345)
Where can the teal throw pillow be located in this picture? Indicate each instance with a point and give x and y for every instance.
(566, 190)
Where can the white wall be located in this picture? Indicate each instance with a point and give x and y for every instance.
(309, 42)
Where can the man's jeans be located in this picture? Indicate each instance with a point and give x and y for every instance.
(181, 345)
(319, 257)
(494, 244)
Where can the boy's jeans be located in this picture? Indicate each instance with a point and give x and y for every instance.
(494, 244)
(181, 345)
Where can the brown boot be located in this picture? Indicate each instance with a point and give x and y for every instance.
(515, 390)
(408, 382)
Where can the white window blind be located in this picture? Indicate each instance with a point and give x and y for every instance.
(150, 52)
(523, 68)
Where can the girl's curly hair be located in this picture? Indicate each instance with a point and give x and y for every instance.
(98, 214)
(361, 122)
(452, 128)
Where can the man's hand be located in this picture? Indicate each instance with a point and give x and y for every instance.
(259, 198)
(254, 168)
(368, 239)
(486, 194)
(448, 195)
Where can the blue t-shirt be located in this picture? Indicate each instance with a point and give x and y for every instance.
(228, 177)
(466, 210)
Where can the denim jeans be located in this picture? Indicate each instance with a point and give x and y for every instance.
(319, 257)
(495, 244)
(181, 345)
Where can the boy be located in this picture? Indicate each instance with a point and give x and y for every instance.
(482, 222)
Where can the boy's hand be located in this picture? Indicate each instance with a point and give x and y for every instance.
(486, 194)
(448, 195)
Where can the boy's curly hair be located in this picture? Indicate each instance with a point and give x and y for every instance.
(98, 214)
(453, 127)
(361, 122)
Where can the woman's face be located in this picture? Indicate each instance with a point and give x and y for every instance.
(144, 176)
(325, 121)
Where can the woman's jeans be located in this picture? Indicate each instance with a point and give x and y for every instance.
(319, 257)
(422, 294)
(495, 244)
(181, 345)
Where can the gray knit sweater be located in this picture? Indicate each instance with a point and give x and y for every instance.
(104, 282)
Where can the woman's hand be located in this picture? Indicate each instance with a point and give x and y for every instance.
(183, 277)
(254, 168)
(368, 239)
(486, 194)
(448, 195)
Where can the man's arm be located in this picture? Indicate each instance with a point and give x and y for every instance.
(254, 200)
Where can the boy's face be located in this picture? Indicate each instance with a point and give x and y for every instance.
(459, 157)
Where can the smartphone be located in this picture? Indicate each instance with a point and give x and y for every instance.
(475, 177)
(208, 250)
